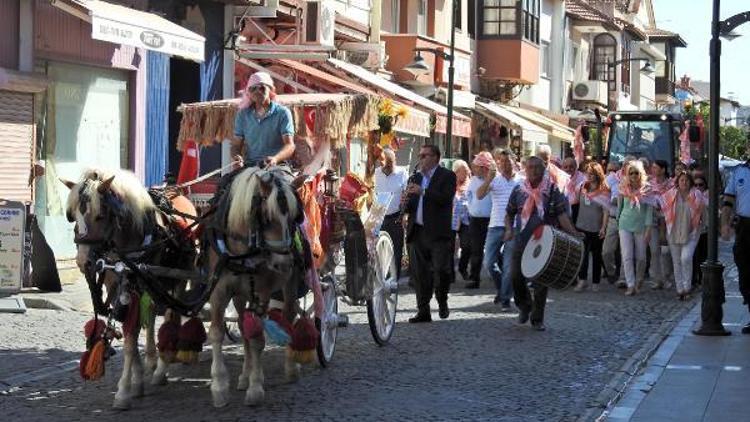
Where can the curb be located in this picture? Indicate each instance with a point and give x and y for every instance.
(45, 303)
(614, 390)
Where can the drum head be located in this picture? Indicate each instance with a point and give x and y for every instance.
(537, 253)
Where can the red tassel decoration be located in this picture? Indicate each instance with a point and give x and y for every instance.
(252, 326)
(130, 325)
(278, 317)
(167, 340)
(191, 338)
(304, 341)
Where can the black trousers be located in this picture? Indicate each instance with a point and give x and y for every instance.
(592, 245)
(699, 257)
(742, 243)
(521, 293)
(478, 233)
(392, 225)
(464, 241)
(430, 260)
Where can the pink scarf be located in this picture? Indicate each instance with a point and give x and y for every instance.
(601, 195)
(634, 196)
(534, 199)
(696, 201)
(558, 176)
(573, 185)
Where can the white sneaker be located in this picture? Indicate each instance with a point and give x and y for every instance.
(581, 286)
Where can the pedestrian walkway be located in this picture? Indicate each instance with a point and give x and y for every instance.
(694, 378)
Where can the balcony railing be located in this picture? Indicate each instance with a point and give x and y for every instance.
(664, 86)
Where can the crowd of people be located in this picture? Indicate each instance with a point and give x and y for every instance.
(635, 220)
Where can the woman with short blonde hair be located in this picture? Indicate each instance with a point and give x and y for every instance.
(635, 218)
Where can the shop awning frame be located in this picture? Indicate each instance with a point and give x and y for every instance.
(530, 132)
(555, 129)
(461, 123)
(123, 25)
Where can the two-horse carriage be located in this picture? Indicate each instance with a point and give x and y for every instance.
(252, 243)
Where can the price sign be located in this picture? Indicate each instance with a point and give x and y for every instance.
(12, 238)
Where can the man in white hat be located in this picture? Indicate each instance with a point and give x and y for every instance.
(263, 129)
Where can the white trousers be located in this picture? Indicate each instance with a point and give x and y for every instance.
(633, 249)
(682, 260)
(661, 262)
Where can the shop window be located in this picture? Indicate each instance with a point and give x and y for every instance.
(83, 121)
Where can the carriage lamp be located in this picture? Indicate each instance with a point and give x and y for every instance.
(329, 181)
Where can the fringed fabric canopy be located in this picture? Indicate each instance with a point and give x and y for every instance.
(318, 117)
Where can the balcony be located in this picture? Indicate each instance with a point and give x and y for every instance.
(664, 87)
(508, 60)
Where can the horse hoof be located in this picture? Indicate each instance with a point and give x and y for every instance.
(242, 383)
(159, 379)
(220, 398)
(293, 373)
(254, 396)
(137, 390)
(121, 404)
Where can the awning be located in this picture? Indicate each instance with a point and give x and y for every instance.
(555, 129)
(530, 132)
(123, 25)
(461, 123)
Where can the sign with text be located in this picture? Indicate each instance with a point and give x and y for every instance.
(122, 32)
(12, 238)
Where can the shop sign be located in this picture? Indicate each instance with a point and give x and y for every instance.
(12, 238)
(120, 32)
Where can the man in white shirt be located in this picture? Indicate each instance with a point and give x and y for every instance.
(612, 237)
(392, 179)
(499, 186)
(479, 216)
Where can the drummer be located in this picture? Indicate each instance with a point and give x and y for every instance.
(533, 203)
(263, 128)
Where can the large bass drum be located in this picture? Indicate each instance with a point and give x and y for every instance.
(553, 259)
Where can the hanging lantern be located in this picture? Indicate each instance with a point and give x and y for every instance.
(329, 181)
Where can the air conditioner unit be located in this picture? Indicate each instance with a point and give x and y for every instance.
(319, 23)
(590, 91)
(367, 55)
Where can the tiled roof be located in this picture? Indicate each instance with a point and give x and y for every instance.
(581, 10)
(663, 33)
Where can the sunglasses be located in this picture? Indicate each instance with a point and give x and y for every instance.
(634, 173)
(700, 185)
(257, 88)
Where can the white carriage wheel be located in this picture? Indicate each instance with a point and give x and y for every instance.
(328, 327)
(381, 307)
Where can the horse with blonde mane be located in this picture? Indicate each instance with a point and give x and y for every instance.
(252, 235)
(114, 214)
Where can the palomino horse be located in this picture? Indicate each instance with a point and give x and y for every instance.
(112, 211)
(262, 214)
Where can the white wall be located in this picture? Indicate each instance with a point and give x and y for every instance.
(538, 95)
(727, 111)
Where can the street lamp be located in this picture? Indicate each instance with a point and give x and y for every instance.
(419, 67)
(713, 295)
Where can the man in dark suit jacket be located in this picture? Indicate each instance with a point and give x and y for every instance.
(429, 207)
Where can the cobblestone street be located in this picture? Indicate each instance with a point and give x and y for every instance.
(477, 365)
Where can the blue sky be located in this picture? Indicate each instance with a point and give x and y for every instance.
(692, 20)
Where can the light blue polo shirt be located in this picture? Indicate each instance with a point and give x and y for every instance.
(739, 187)
(262, 135)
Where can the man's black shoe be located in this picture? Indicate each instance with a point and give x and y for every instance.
(472, 285)
(523, 316)
(421, 317)
(746, 328)
(443, 310)
(538, 326)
